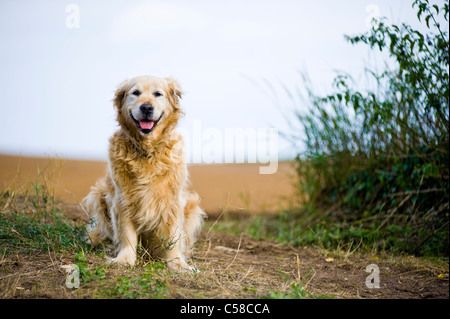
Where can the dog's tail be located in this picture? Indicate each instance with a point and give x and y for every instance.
(193, 218)
(95, 206)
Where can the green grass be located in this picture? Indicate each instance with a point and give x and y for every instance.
(41, 231)
(31, 224)
(296, 290)
(149, 282)
(89, 274)
(310, 228)
(31, 221)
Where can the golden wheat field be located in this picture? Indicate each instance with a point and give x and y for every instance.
(235, 186)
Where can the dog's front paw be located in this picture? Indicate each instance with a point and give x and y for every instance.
(124, 259)
(180, 264)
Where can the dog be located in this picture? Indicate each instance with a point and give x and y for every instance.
(144, 196)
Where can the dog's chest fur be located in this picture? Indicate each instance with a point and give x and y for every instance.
(150, 186)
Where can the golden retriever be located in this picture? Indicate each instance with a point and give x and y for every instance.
(144, 195)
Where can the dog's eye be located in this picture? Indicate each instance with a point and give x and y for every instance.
(157, 94)
(136, 92)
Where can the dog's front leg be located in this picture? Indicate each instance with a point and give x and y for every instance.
(174, 256)
(125, 238)
(173, 241)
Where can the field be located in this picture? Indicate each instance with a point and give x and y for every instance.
(238, 186)
(41, 236)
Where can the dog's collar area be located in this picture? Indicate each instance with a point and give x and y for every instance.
(148, 127)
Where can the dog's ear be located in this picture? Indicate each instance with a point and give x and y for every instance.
(120, 94)
(175, 92)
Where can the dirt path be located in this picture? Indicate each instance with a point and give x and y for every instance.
(267, 266)
(231, 267)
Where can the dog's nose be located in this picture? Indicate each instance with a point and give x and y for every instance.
(146, 108)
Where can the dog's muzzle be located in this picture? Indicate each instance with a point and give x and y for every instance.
(146, 123)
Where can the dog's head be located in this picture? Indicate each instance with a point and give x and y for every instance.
(147, 104)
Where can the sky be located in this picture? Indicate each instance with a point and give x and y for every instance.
(61, 62)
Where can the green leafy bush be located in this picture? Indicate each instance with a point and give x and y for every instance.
(376, 162)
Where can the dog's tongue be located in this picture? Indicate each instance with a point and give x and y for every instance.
(146, 125)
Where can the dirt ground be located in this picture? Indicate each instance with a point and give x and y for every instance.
(238, 266)
(327, 274)
(232, 266)
(253, 271)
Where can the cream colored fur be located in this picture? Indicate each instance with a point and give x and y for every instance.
(144, 195)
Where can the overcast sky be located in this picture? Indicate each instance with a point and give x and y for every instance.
(58, 77)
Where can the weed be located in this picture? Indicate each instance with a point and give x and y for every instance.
(375, 165)
(87, 274)
(27, 233)
(150, 283)
(296, 290)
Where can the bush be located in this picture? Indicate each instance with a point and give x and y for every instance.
(376, 162)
